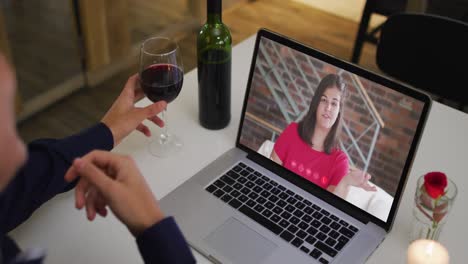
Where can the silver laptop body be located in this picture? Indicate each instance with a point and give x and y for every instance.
(226, 229)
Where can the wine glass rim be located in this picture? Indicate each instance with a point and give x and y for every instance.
(142, 47)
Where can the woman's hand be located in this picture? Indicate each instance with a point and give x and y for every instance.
(108, 179)
(358, 178)
(123, 117)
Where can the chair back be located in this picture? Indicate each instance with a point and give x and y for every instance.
(429, 52)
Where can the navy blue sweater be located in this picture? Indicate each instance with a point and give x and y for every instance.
(41, 178)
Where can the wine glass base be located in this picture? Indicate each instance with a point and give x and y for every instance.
(165, 146)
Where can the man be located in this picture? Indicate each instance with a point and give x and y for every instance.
(31, 176)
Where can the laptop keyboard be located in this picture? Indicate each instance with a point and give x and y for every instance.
(305, 225)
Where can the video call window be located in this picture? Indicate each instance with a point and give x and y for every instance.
(330, 126)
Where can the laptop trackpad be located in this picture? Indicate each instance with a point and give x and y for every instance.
(238, 243)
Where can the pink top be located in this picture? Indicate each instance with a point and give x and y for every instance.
(318, 167)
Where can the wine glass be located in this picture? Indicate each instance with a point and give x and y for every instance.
(161, 78)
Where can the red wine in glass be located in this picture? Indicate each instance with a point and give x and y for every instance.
(162, 82)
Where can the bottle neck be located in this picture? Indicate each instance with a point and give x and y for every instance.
(214, 12)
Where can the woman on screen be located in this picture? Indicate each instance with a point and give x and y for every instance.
(310, 147)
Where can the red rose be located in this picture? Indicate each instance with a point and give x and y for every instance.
(435, 183)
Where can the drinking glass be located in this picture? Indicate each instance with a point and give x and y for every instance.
(161, 77)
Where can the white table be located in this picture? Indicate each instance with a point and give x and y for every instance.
(70, 238)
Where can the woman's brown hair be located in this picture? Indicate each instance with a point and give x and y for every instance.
(307, 124)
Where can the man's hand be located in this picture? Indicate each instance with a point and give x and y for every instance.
(108, 179)
(123, 117)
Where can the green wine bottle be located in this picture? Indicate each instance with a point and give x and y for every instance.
(214, 46)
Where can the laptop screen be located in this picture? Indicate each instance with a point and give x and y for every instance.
(340, 131)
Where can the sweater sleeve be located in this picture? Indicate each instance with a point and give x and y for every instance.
(42, 176)
(164, 243)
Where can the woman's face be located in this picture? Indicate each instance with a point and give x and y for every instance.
(328, 108)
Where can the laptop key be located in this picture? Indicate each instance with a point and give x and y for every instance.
(334, 217)
(252, 195)
(290, 208)
(281, 187)
(257, 174)
(292, 200)
(343, 239)
(244, 173)
(285, 215)
(211, 188)
(326, 220)
(242, 180)
(273, 198)
(261, 219)
(321, 236)
(301, 234)
(250, 177)
(257, 189)
(265, 194)
(249, 169)
(330, 241)
(326, 249)
(250, 184)
(237, 186)
(218, 193)
(344, 223)
(308, 210)
(307, 202)
(227, 188)
(298, 213)
(353, 228)
(311, 240)
(265, 178)
(325, 229)
(235, 193)
(334, 234)
(272, 182)
(233, 175)
(297, 242)
(226, 198)
(261, 200)
(251, 203)
(243, 198)
(277, 210)
(242, 165)
(283, 196)
(316, 207)
(345, 231)
(307, 218)
(340, 246)
(323, 261)
(284, 223)
(312, 231)
(269, 205)
(267, 213)
(275, 218)
(335, 225)
(293, 229)
(227, 179)
(267, 186)
(289, 192)
(281, 203)
(286, 235)
(300, 205)
(275, 191)
(316, 223)
(315, 253)
(304, 249)
(219, 184)
(259, 181)
(259, 208)
(303, 226)
(317, 215)
(325, 212)
(237, 168)
(235, 203)
(245, 190)
(294, 220)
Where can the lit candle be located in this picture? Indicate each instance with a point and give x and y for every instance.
(425, 251)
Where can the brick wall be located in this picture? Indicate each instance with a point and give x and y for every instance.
(399, 113)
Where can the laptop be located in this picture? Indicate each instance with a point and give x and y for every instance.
(285, 195)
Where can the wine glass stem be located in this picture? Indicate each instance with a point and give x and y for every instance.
(164, 135)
